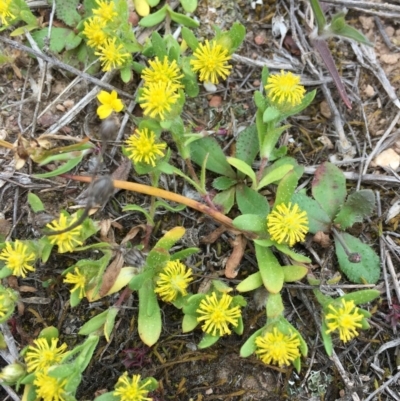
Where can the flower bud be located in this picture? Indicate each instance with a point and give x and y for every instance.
(12, 373)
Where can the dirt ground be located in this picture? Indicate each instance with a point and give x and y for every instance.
(372, 80)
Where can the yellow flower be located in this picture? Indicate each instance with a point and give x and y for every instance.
(17, 258)
(94, 32)
(347, 319)
(217, 314)
(165, 71)
(287, 224)
(78, 279)
(111, 55)
(109, 103)
(142, 147)
(285, 89)
(5, 13)
(277, 348)
(41, 355)
(131, 390)
(211, 61)
(49, 388)
(157, 99)
(173, 281)
(106, 11)
(66, 241)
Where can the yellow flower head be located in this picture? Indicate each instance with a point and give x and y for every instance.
(142, 147)
(347, 319)
(109, 103)
(41, 355)
(287, 224)
(277, 348)
(18, 258)
(5, 13)
(131, 390)
(157, 99)
(94, 32)
(210, 60)
(111, 55)
(173, 281)
(78, 279)
(165, 71)
(217, 314)
(66, 241)
(49, 388)
(284, 89)
(106, 10)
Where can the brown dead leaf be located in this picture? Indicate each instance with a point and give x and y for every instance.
(111, 274)
(239, 245)
(27, 288)
(122, 172)
(133, 232)
(5, 227)
(322, 239)
(213, 236)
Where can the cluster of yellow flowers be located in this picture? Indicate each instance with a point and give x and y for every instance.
(101, 37)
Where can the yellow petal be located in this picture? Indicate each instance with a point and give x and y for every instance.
(142, 7)
(117, 105)
(104, 97)
(104, 111)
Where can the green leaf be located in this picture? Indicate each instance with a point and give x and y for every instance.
(287, 187)
(222, 183)
(159, 47)
(162, 204)
(189, 323)
(318, 220)
(319, 15)
(58, 38)
(108, 397)
(250, 283)
(247, 146)
(249, 347)
(362, 296)
(110, 322)
(329, 188)
(243, 167)
(271, 114)
(207, 341)
(126, 73)
(271, 271)
(94, 324)
(358, 205)
(138, 208)
(216, 161)
(250, 201)
(189, 5)
(236, 34)
(153, 3)
(307, 99)
(189, 79)
(183, 19)
(339, 27)
(225, 199)
(73, 41)
(64, 168)
(275, 175)
(294, 273)
(274, 307)
(66, 12)
(260, 102)
(190, 38)
(35, 203)
(169, 239)
(251, 222)
(149, 319)
(326, 339)
(292, 254)
(22, 29)
(184, 253)
(154, 18)
(368, 270)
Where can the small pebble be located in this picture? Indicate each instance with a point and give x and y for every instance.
(215, 101)
(388, 158)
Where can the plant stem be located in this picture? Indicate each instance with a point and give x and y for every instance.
(319, 16)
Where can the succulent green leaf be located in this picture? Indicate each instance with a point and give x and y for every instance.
(58, 38)
(35, 203)
(207, 341)
(307, 99)
(247, 146)
(242, 167)
(318, 220)
(358, 205)
(339, 27)
(274, 175)
(222, 183)
(250, 201)
(189, 79)
(170, 238)
(153, 3)
(287, 187)
(216, 161)
(66, 12)
(326, 339)
(250, 283)
(362, 296)
(138, 208)
(154, 18)
(189, 323)
(159, 47)
(94, 324)
(251, 222)
(294, 273)
(184, 253)
(237, 34)
(271, 114)
(274, 305)
(260, 101)
(367, 270)
(190, 38)
(329, 188)
(292, 254)
(270, 269)
(70, 164)
(183, 19)
(249, 347)
(225, 199)
(189, 5)
(110, 322)
(149, 319)
(108, 397)
(73, 41)
(126, 74)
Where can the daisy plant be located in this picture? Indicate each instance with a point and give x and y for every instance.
(342, 317)
(277, 342)
(217, 312)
